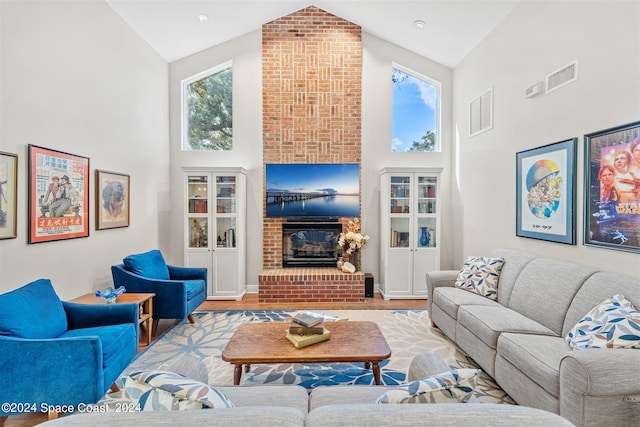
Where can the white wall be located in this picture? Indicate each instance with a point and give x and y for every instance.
(246, 54)
(536, 39)
(76, 78)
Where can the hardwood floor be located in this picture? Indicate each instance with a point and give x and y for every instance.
(250, 302)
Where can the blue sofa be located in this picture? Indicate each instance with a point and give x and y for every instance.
(55, 353)
(179, 290)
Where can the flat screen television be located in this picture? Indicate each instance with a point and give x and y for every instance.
(318, 190)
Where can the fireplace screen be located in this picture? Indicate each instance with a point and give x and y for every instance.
(310, 245)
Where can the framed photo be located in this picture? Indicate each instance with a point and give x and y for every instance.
(112, 200)
(612, 188)
(58, 195)
(8, 191)
(546, 192)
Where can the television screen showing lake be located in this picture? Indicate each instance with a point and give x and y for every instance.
(313, 190)
(324, 206)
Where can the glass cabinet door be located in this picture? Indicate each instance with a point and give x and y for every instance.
(198, 207)
(400, 208)
(427, 208)
(400, 194)
(226, 211)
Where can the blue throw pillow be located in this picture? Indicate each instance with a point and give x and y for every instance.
(149, 264)
(33, 311)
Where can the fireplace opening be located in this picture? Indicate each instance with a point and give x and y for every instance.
(310, 244)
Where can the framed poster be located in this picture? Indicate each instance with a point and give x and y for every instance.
(112, 200)
(58, 195)
(8, 191)
(612, 188)
(546, 192)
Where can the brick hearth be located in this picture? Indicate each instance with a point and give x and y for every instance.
(280, 285)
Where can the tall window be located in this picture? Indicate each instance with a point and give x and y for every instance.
(415, 122)
(207, 110)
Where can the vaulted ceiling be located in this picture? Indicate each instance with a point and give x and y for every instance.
(452, 28)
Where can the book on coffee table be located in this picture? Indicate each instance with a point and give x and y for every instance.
(300, 341)
(297, 329)
(307, 319)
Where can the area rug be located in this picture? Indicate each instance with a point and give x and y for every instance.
(408, 333)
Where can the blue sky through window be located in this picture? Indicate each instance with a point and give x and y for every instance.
(414, 110)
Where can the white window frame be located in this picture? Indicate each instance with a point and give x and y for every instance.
(438, 86)
(184, 83)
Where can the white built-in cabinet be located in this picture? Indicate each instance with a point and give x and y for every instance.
(214, 228)
(410, 230)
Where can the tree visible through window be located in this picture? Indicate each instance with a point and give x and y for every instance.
(415, 112)
(207, 109)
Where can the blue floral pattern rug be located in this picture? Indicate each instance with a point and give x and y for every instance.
(408, 333)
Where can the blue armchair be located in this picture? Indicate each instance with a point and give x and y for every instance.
(55, 353)
(179, 290)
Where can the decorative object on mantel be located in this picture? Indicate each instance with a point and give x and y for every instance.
(351, 241)
(111, 294)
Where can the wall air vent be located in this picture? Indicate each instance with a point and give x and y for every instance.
(481, 113)
(563, 76)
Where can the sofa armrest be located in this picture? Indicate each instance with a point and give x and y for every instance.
(601, 372)
(187, 273)
(170, 301)
(439, 278)
(91, 315)
(57, 371)
(600, 386)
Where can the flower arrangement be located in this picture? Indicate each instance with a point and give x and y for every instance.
(352, 240)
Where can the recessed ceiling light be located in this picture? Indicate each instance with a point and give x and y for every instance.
(420, 24)
(203, 18)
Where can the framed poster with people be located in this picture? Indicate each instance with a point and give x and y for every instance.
(612, 188)
(58, 195)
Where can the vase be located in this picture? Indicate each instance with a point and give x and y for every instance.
(424, 237)
(353, 259)
(340, 263)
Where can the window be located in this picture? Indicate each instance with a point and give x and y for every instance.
(207, 110)
(415, 121)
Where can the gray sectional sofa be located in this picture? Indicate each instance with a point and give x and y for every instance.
(325, 406)
(519, 339)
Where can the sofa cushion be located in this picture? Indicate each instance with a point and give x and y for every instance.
(149, 264)
(33, 311)
(514, 262)
(451, 299)
(114, 339)
(545, 289)
(478, 414)
(614, 323)
(161, 390)
(487, 323)
(455, 386)
(251, 416)
(480, 275)
(598, 288)
(537, 356)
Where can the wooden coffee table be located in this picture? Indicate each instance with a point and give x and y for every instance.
(265, 342)
(145, 311)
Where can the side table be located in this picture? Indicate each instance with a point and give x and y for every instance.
(144, 301)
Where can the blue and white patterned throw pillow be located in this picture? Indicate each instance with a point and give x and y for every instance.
(480, 275)
(615, 323)
(169, 391)
(455, 386)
